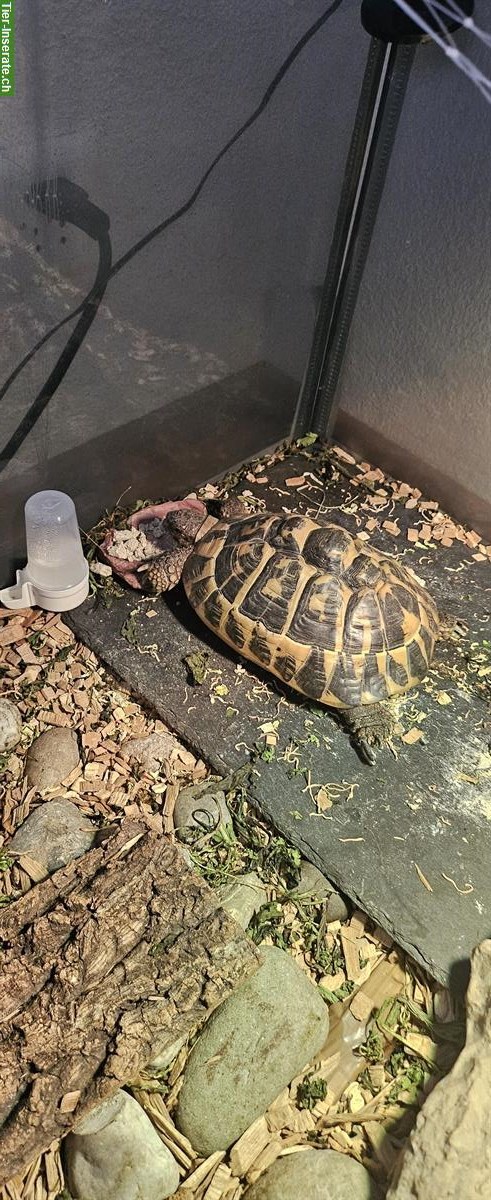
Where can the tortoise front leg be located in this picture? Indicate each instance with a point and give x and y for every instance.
(164, 572)
(370, 725)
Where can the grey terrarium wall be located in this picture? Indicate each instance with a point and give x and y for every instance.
(417, 373)
(196, 355)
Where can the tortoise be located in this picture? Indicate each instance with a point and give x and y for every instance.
(321, 610)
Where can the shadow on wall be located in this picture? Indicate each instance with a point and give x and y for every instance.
(220, 425)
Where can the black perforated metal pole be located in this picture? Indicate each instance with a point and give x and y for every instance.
(394, 38)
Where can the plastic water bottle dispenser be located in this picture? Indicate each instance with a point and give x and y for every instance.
(56, 576)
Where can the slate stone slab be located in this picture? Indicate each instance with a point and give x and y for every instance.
(424, 815)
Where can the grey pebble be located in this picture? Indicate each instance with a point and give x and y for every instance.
(10, 726)
(243, 897)
(199, 807)
(314, 1175)
(124, 1159)
(251, 1047)
(150, 751)
(51, 757)
(54, 834)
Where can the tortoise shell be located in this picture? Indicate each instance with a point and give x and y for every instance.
(320, 609)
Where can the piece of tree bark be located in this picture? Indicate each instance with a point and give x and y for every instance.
(103, 965)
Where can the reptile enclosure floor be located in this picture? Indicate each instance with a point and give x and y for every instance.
(408, 839)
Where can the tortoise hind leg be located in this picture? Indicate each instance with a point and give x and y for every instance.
(370, 725)
(449, 625)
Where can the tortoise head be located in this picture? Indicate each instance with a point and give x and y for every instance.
(234, 508)
(184, 524)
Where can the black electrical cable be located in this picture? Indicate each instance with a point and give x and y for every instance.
(42, 341)
(88, 307)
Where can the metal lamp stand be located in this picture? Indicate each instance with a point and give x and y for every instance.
(394, 39)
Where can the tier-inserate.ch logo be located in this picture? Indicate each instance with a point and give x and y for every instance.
(7, 30)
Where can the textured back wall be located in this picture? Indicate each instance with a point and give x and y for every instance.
(418, 367)
(132, 102)
(198, 350)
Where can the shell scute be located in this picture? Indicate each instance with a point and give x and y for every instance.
(329, 548)
(318, 615)
(363, 629)
(268, 597)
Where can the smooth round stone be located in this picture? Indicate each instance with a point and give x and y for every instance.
(54, 834)
(123, 1160)
(10, 726)
(252, 1046)
(314, 1175)
(51, 757)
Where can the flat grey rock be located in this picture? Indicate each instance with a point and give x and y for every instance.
(51, 757)
(251, 1048)
(150, 751)
(124, 1160)
(200, 808)
(10, 726)
(314, 884)
(243, 897)
(54, 834)
(314, 1175)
